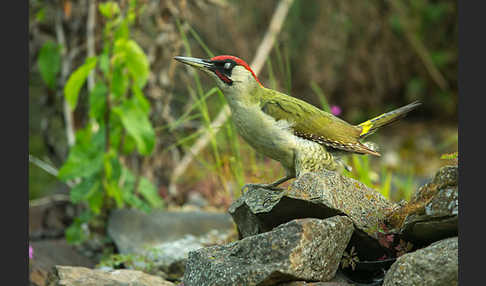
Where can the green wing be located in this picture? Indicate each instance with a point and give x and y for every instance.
(311, 123)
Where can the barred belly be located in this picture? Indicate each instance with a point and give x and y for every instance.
(311, 157)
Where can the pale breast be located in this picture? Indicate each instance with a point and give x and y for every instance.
(268, 136)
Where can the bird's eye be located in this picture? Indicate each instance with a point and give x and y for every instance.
(227, 66)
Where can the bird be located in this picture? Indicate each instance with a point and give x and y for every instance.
(302, 137)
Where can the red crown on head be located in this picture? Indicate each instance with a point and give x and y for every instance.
(237, 61)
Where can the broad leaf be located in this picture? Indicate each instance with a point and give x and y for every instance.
(109, 9)
(129, 52)
(89, 190)
(95, 200)
(85, 157)
(77, 80)
(113, 172)
(149, 193)
(49, 63)
(137, 124)
(137, 63)
(145, 188)
(75, 233)
(140, 99)
(84, 189)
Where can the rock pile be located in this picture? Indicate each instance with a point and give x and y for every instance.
(325, 229)
(325, 221)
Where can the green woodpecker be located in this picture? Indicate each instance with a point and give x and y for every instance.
(300, 136)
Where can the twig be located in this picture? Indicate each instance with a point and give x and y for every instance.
(262, 53)
(65, 68)
(53, 199)
(47, 167)
(43, 165)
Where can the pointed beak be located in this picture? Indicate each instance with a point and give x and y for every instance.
(195, 62)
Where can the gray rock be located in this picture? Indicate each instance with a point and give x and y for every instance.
(318, 195)
(436, 264)
(437, 217)
(165, 238)
(50, 216)
(302, 249)
(171, 257)
(133, 231)
(81, 276)
(48, 253)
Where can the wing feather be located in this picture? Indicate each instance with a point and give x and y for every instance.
(311, 123)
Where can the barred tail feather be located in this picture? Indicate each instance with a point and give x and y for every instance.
(370, 126)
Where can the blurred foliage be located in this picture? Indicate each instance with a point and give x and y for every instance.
(49, 62)
(118, 125)
(366, 57)
(401, 189)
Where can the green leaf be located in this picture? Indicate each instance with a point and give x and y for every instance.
(116, 137)
(97, 101)
(113, 191)
(137, 125)
(89, 190)
(120, 82)
(140, 99)
(75, 233)
(149, 193)
(135, 60)
(109, 9)
(450, 156)
(84, 189)
(40, 15)
(49, 63)
(386, 185)
(95, 199)
(129, 195)
(122, 32)
(113, 171)
(77, 80)
(85, 157)
(129, 145)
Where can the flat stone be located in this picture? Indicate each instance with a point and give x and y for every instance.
(81, 276)
(302, 249)
(165, 238)
(316, 195)
(133, 231)
(437, 264)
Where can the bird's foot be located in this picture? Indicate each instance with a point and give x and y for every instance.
(265, 186)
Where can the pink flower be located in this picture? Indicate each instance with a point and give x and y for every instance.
(336, 110)
(31, 252)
